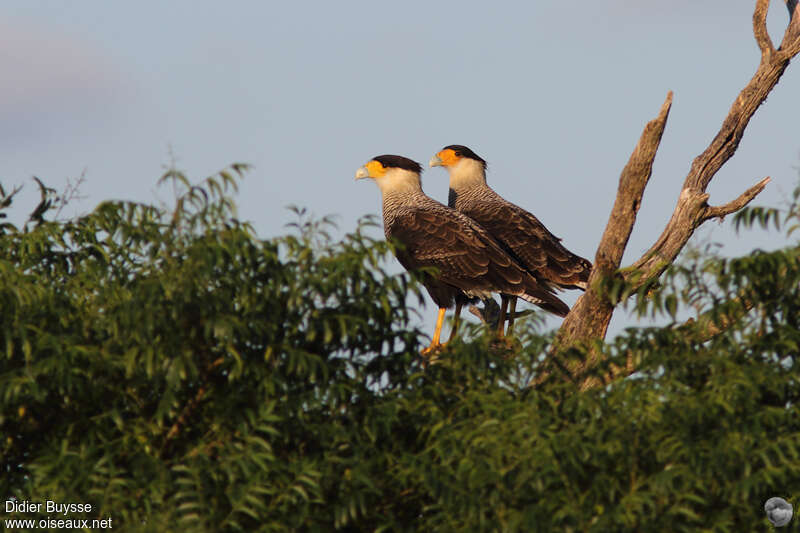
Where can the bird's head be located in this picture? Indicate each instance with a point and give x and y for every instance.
(392, 172)
(461, 162)
(451, 156)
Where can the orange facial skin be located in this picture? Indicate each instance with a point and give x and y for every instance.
(375, 169)
(448, 157)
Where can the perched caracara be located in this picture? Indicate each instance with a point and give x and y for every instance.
(520, 233)
(468, 261)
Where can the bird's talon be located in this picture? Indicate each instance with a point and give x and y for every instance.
(430, 350)
(430, 354)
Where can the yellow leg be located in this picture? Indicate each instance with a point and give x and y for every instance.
(512, 310)
(437, 332)
(501, 322)
(456, 322)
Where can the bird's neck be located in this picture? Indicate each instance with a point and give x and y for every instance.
(400, 190)
(399, 182)
(467, 174)
(401, 198)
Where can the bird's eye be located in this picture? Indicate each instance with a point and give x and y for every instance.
(458, 154)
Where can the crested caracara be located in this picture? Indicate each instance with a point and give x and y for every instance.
(468, 261)
(520, 233)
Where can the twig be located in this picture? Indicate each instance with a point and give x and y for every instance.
(489, 314)
(734, 205)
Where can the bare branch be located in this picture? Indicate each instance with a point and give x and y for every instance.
(791, 5)
(692, 209)
(760, 29)
(592, 312)
(590, 316)
(632, 183)
(72, 192)
(489, 314)
(734, 205)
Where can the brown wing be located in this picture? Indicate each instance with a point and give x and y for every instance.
(443, 294)
(537, 249)
(465, 256)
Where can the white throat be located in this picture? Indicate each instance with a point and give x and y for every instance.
(398, 180)
(467, 173)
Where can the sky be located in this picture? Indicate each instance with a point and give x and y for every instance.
(554, 95)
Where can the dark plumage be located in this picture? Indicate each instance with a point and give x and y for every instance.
(519, 231)
(464, 254)
(469, 262)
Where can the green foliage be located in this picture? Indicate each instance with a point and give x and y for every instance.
(178, 373)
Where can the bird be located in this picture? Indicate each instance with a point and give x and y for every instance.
(467, 261)
(522, 235)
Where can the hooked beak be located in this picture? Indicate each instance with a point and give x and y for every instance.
(435, 161)
(362, 173)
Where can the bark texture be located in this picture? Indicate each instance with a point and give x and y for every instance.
(589, 318)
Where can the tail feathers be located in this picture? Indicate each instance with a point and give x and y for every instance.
(548, 302)
(561, 285)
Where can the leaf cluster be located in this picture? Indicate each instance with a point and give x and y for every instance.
(179, 373)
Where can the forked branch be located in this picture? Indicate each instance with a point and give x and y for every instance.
(589, 318)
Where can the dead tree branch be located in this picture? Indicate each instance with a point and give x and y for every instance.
(760, 29)
(731, 207)
(589, 318)
(489, 314)
(794, 19)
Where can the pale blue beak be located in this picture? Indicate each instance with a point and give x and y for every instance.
(362, 173)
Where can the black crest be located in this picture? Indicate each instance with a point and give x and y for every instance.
(463, 151)
(398, 161)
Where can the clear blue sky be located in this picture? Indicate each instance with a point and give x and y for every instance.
(553, 94)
